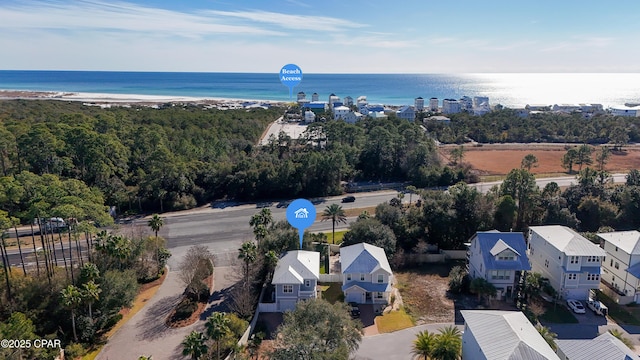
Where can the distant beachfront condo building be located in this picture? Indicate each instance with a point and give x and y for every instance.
(348, 101)
(301, 96)
(433, 104)
(481, 109)
(419, 103)
(451, 106)
(466, 103)
(477, 100)
(315, 97)
(624, 110)
(334, 101)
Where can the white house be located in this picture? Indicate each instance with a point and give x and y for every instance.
(451, 106)
(366, 275)
(296, 278)
(334, 101)
(499, 258)
(466, 103)
(621, 268)
(315, 97)
(301, 96)
(605, 346)
(406, 112)
(352, 117)
(340, 112)
(502, 335)
(419, 103)
(348, 101)
(566, 258)
(481, 109)
(309, 116)
(439, 119)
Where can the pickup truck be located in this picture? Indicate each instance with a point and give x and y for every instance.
(597, 307)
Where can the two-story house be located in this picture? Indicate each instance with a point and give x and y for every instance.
(499, 258)
(621, 268)
(502, 335)
(566, 258)
(366, 274)
(296, 278)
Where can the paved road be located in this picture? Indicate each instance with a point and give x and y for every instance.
(146, 333)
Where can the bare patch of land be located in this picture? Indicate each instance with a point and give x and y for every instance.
(424, 293)
(499, 159)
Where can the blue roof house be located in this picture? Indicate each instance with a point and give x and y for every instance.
(498, 257)
(366, 275)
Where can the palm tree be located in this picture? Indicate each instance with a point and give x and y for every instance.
(217, 327)
(448, 344)
(336, 214)
(248, 253)
(91, 294)
(364, 215)
(548, 336)
(71, 299)
(423, 344)
(271, 260)
(260, 222)
(194, 345)
(155, 223)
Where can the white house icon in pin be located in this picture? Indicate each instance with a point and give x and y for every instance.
(302, 213)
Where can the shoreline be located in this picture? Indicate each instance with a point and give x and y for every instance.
(120, 99)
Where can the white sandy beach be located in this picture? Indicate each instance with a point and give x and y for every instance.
(104, 98)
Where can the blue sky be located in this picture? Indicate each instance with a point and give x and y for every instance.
(330, 36)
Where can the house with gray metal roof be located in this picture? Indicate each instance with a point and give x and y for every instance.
(604, 347)
(570, 261)
(621, 268)
(296, 278)
(499, 258)
(366, 275)
(502, 335)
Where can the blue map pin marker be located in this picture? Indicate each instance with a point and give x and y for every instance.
(301, 214)
(290, 76)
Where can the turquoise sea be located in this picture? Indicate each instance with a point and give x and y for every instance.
(393, 89)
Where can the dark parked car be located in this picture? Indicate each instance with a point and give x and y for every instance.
(348, 199)
(354, 310)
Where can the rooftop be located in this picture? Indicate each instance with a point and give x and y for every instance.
(295, 266)
(363, 258)
(493, 243)
(627, 241)
(604, 347)
(568, 241)
(519, 339)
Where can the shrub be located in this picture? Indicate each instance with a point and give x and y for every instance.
(185, 309)
(459, 280)
(74, 350)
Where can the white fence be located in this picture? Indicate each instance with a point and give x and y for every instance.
(330, 278)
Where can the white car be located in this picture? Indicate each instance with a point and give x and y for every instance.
(576, 306)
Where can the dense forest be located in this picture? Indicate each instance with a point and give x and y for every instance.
(175, 157)
(506, 126)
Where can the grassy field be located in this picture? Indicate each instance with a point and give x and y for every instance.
(394, 321)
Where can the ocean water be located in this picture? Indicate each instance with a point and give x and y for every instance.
(513, 89)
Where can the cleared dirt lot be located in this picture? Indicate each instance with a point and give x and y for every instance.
(424, 293)
(499, 159)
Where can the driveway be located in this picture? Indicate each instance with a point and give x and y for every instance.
(146, 333)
